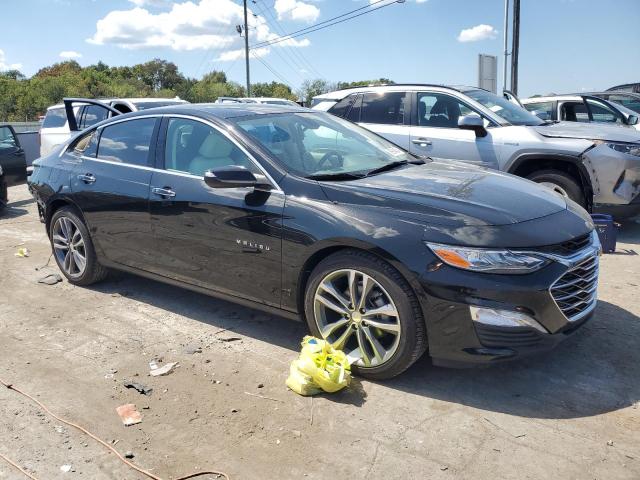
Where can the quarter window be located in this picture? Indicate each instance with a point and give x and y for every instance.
(341, 108)
(127, 142)
(385, 109)
(194, 147)
(55, 118)
(545, 107)
(7, 139)
(93, 114)
(438, 110)
(87, 145)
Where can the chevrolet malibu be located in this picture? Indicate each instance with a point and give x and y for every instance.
(300, 213)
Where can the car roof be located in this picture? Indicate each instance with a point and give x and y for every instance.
(340, 94)
(551, 98)
(132, 100)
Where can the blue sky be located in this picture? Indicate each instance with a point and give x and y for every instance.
(566, 45)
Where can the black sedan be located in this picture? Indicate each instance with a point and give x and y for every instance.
(306, 215)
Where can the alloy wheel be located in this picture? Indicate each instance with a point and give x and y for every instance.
(355, 314)
(69, 247)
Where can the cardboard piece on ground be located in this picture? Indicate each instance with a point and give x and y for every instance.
(164, 370)
(129, 414)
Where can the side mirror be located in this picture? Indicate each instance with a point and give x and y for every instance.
(473, 122)
(632, 120)
(233, 176)
(541, 115)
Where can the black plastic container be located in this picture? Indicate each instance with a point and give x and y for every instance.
(607, 231)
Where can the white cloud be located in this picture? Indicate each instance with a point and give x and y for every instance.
(8, 66)
(379, 3)
(477, 33)
(70, 54)
(296, 10)
(191, 25)
(151, 3)
(231, 55)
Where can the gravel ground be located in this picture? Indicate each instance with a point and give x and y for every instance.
(570, 414)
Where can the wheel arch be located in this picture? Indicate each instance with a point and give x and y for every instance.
(56, 204)
(526, 164)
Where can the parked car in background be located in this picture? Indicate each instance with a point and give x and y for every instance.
(55, 127)
(581, 108)
(595, 165)
(627, 87)
(13, 166)
(626, 99)
(261, 100)
(309, 216)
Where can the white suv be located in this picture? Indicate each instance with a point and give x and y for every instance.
(593, 164)
(55, 127)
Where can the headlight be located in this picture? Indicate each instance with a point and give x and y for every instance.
(628, 148)
(485, 260)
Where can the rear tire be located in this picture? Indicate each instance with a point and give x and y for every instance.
(73, 249)
(562, 183)
(394, 340)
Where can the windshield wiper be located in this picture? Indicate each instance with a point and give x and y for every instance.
(393, 165)
(336, 176)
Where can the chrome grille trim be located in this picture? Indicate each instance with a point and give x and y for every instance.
(575, 293)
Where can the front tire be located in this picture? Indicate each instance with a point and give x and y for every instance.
(73, 249)
(562, 183)
(365, 307)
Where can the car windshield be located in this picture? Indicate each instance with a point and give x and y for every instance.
(316, 145)
(511, 112)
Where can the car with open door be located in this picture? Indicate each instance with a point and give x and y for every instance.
(385, 254)
(56, 127)
(13, 165)
(597, 166)
(581, 108)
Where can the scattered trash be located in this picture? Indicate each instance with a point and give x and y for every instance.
(22, 252)
(129, 414)
(153, 364)
(129, 454)
(230, 339)
(192, 349)
(66, 468)
(277, 441)
(46, 264)
(444, 468)
(234, 410)
(164, 370)
(610, 443)
(261, 385)
(50, 279)
(319, 367)
(297, 433)
(143, 389)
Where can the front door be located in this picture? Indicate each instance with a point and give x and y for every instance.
(110, 184)
(12, 159)
(435, 132)
(226, 239)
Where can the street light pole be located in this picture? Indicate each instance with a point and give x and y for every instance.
(515, 46)
(506, 49)
(246, 48)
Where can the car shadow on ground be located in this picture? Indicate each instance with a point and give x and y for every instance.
(629, 233)
(14, 210)
(593, 372)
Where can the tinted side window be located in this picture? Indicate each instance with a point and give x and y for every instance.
(55, 118)
(629, 102)
(93, 114)
(341, 108)
(387, 109)
(194, 147)
(127, 142)
(546, 107)
(601, 113)
(574, 112)
(439, 110)
(354, 113)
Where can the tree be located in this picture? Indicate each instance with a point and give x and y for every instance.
(311, 88)
(273, 89)
(159, 74)
(365, 83)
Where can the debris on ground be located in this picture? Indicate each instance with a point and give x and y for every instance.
(164, 370)
(264, 397)
(129, 414)
(143, 389)
(129, 454)
(230, 339)
(261, 385)
(192, 349)
(610, 443)
(319, 367)
(50, 279)
(22, 252)
(66, 468)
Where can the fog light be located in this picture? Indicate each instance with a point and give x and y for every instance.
(504, 318)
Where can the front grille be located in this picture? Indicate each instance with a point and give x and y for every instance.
(575, 292)
(513, 337)
(569, 247)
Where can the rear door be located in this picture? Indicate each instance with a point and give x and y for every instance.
(111, 186)
(226, 239)
(435, 131)
(12, 159)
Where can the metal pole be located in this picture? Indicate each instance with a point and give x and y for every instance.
(246, 48)
(515, 46)
(506, 50)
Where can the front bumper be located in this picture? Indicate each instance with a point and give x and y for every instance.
(457, 340)
(615, 179)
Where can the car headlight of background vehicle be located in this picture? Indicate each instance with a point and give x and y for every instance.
(487, 260)
(628, 148)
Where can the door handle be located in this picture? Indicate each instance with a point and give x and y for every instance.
(163, 192)
(87, 178)
(423, 142)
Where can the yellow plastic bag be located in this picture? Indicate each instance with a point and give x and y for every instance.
(320, 367)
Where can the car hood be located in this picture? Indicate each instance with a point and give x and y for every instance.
(449, 193)
(589, 131)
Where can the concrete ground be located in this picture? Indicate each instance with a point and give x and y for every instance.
(570, 414)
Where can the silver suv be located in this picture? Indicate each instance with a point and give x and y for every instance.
(598, 166)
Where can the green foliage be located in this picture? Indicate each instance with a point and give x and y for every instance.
(273, 89)
(365, 83)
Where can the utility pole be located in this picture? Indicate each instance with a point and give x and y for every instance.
(506, 49)
(246, 48)
(515, 46)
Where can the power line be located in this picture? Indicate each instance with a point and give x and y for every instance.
(326, 24)
(272, 70)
